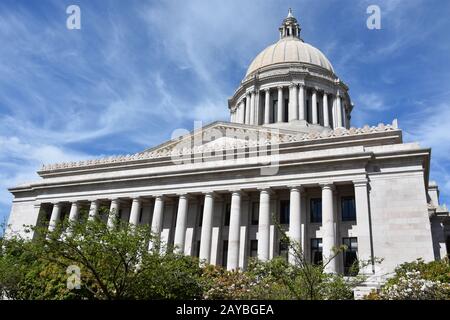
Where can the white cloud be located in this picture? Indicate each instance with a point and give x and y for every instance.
(371, 102)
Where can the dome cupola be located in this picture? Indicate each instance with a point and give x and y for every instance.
(291, 84)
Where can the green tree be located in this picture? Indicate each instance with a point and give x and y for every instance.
(114, 263)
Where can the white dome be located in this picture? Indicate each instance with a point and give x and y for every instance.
(290, 50)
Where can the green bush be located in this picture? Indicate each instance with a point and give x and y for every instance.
(417, 280)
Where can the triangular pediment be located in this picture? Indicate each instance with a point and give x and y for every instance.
(219, 135)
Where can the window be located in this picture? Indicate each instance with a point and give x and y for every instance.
(308, 111)
(224, 253)
(200, 218)
(255, 213)
(283, 250)
(348, 209)
(350, 256)
(226, 221)
(316, 250)
(447, 244)
(140, 214)
(274, 111)
(316, 210)
(253, 248)
(197, 249)
(286, 110)
(284, 212)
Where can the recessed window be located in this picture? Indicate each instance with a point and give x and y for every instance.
(316, 210)
(255, 213)
(348, 209)
(274, 110)
(253, 248)
(197, 249)
(200, 216)
(286, 110)
(226, 221)
(350, 256)
(316, 251)
(283, 250)
(284, 212)
(224, 253)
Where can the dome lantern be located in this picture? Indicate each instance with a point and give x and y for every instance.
(290, 27)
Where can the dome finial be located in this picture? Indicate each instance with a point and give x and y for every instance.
(290, 15)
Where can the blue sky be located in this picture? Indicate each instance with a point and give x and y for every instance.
(137, 70)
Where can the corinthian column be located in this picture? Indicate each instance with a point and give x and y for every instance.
(206, 235)
(339, 111)
(295, 223)
(113, 212)
(74, 212)
(157, 219)
(135, 211)
(247, 109)
(280, 106)
(293, 103)
(301, 102)
(55, 217)
(252, 108)
(326, 119)
(234, 231)
(180, 229)
(363, 225)
(314, 107)
(242, 112)
(93, 210)
(267, 106)
(329, 233)
(264, 225)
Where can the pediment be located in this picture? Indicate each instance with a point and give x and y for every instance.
(221, 135)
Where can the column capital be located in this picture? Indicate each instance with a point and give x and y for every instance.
(237, 191)
(212, 194)
(184, 195)
(300, 188)
(280, 87)
(327, 185)
(266, 89)
(265, 189)
(360, 183)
